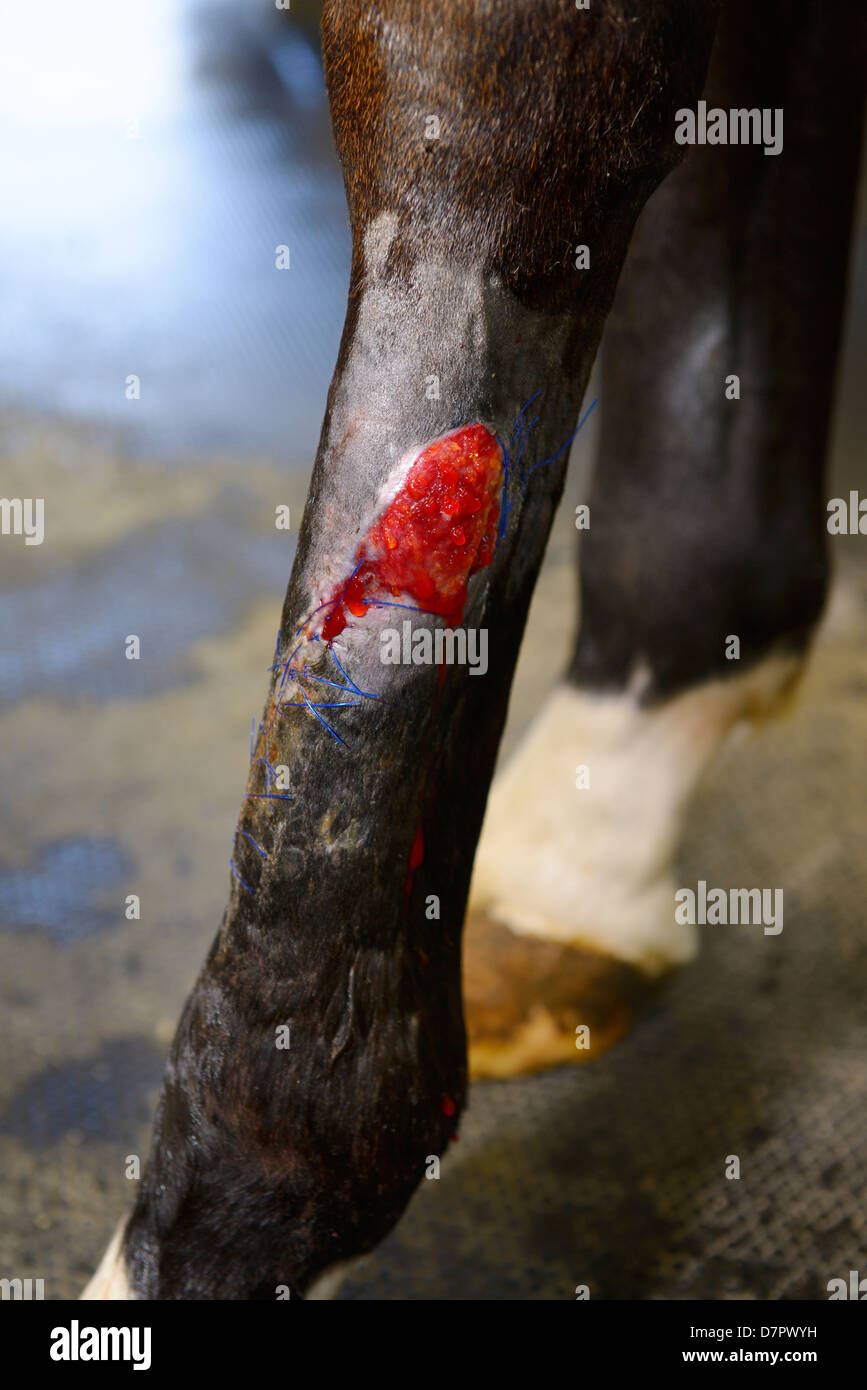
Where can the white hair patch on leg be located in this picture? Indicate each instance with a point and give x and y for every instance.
(584, 857)
(110, 1282)
(327, 1285)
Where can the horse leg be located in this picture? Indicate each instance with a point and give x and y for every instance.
(707, 523)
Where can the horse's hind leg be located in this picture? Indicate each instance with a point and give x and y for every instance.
(707, 523)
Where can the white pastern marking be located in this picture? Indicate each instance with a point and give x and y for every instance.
(593, 865)
(110, 1282)
(327, 1285)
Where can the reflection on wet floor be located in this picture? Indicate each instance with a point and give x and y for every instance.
(58, 895)
(152, 158)
(169, 584)
(103, 1097)
(147, 181)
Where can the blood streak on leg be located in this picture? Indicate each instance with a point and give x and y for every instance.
(416, 855)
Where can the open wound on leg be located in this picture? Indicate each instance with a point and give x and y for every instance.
(438, 531)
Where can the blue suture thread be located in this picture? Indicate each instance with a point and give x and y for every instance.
(332, 603)
(351, 688)
(238, 876)
(264, 762)
(428, 612)
(329, 603)
(336, 704)
(519, 436)
(505, 504)
(280, 691)
(525, 435)
(254, 762)
(324, 724)
(367, 693)
(269, 768)
(305, 702)
(250, 839)
(542, 463)
(322, 681)
(272, 796)
(524, 407)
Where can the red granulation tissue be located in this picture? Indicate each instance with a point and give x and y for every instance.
(439, 530)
